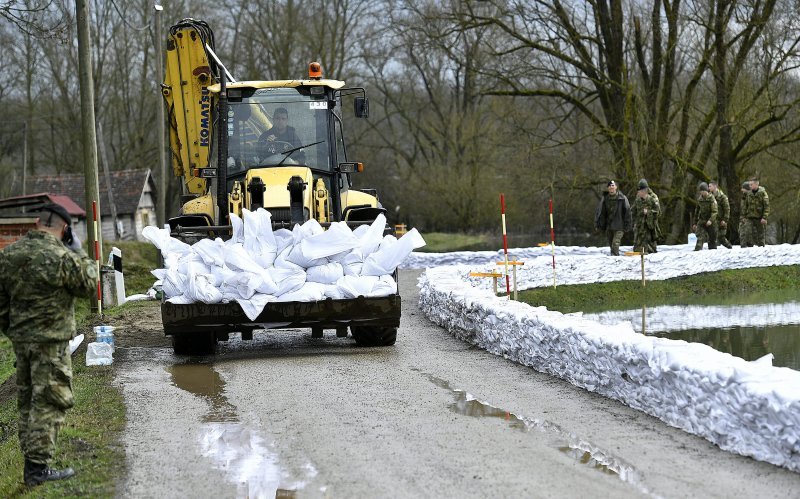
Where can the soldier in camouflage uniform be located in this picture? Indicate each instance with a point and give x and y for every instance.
(645, 213)
(705, 216)
(745, 238)
(41, 278)
(757, 213)
(724, 215)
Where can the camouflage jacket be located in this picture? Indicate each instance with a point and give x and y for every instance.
(40, 280)
(706, 210)
(650, 220)
(757, 204)
(723, 205)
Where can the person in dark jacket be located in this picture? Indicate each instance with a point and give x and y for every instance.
(613, 216)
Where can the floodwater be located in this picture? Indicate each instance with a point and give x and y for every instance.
(568, 443)
(749, 326)
(235, 447)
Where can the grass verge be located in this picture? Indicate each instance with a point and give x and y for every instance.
(441, 242)
(622, 295)
(89, 440)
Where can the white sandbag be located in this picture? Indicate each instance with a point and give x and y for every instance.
(284, 239)
(211, 251)
(352, 263)
(253, 307)
(297, 257)
(325, 274)
(191, 263)
(355, 286)
(287, 280)
(238, 230)
(336, 239)
(385, 286)
(162, 240)
(334, 292)
(181, 300)
(236, 258)
(259, 240)
(220, 274)
(241, 284)
(199, 288)
(282, 263)
(310, 291)
(372, 236)
(391, 254)
(174, 283)
(309, 228)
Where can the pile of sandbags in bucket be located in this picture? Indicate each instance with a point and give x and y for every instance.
(257, 265)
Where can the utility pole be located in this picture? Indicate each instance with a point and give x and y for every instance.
(161, 208)
(24, 156)
(87, 125)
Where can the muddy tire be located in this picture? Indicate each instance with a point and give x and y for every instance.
(194, 344)
(371, 336)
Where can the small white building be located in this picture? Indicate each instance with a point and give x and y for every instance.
(133, 191)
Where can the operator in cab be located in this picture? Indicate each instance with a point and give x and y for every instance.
(281, 137)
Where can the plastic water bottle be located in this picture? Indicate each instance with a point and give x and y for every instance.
(692, 239)
(104, 334)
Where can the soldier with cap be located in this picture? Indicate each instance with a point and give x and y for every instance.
(645, 212)
(705, 216)
(724, 215)
(613, 216)
(43, 273)
(757, 213)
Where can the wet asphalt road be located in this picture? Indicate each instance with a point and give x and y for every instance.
(286, 415)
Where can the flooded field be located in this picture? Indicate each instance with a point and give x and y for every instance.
(749, 326)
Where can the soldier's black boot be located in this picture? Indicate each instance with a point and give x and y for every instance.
(37, 473)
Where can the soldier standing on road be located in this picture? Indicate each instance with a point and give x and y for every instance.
(705, 216)
(724, 215)
(613, 216)
(757, 213)
(42, 274)
(645, 213)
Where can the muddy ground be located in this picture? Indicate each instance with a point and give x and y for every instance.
(290, 415)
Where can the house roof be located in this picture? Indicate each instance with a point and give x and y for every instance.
(127, 186)
(19, 203)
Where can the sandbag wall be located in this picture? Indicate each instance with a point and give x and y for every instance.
(749, 408)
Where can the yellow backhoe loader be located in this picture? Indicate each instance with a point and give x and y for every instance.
(273, 144)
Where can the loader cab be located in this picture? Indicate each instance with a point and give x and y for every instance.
(280, 127)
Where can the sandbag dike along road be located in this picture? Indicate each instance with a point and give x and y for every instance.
(430, 417)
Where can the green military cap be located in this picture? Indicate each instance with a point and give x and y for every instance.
(703, 186)
(746, 184)
(643, 184)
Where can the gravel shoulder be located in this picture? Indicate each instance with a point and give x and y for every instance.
(431, 416)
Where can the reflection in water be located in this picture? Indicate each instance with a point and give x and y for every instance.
(745, 331)
(568, 443)
(234, 447)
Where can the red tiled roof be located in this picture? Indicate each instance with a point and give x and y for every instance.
(127, 188)
(41, 198)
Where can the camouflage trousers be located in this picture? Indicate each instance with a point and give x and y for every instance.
(644, 239)
(753, 233)
(614, 238)
(722, 236)
(44, 393)
(706, 234)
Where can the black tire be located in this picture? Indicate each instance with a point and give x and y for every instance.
(204, 343)
(372, 336)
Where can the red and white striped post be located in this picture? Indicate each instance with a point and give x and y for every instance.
(97, 261)
(553, 242)
(505, 240)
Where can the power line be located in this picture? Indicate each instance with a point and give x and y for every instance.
(126, 21)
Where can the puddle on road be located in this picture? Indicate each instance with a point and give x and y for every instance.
(568, 443)
(234, 447)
